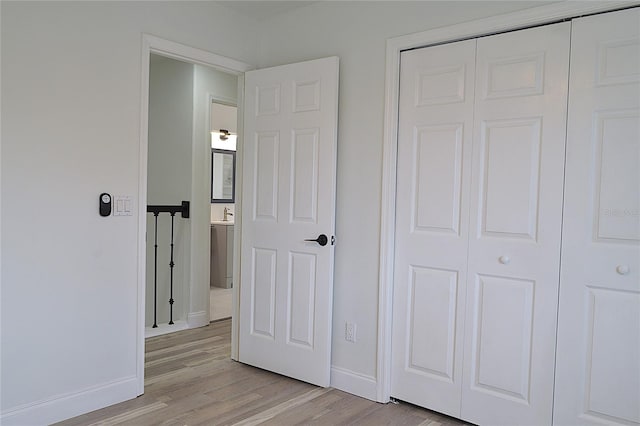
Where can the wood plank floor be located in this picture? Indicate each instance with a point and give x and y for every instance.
(191, 380)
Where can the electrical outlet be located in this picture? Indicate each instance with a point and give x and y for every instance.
(350, 332)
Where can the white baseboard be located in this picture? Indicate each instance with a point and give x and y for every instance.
(194, 320)
(72, 404)
(179, 325)
(354, 383)
(197, 319)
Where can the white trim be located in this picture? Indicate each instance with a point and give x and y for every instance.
(237, 231)
(165, 328)
(185, 53)
(223, 100)
(508, 22)
(354, 383)
(502, 23)
(65, 406)
(197, 319)
(153, 44)
(145, 57)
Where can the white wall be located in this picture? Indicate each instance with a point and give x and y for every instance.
(357, 33)
(70, 130)
(224, 117)
(169, 182)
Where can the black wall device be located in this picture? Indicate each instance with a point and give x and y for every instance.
(105, 204)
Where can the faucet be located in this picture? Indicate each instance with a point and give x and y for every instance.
(227, 213)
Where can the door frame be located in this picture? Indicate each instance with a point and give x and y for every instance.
(152, 44)
(536, 16)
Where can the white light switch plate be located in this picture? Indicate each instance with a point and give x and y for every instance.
(122, 205)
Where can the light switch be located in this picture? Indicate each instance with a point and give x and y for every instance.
(123, 205)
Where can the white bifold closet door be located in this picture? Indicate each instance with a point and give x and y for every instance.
(478, 220)
(515, 226)
(598, 360)
(432, 224)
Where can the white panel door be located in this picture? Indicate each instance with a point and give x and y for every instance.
(515, 225)
(289, 178)
(598, 360)
(432, 215)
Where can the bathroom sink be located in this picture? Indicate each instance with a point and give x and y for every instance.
(222, 222)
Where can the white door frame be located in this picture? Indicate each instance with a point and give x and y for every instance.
(492, 25)
(181, 52)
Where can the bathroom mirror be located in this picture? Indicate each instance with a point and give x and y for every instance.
(223, 172)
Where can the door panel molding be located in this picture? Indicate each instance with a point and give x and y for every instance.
(437, 289)
(498, 298)
(435, 209)
(500, 140)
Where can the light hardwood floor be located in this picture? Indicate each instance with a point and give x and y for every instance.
(220, 300)
(190, 380)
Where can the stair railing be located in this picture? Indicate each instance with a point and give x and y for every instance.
(183, 209)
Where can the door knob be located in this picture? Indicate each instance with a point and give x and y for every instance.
(622, 269)
(322, 240)
(504, 260)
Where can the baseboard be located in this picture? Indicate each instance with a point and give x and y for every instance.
(72, 404)
(354, 383)
(194, 320)
(197, 319)
(179, 325)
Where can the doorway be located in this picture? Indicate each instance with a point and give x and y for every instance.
(196, 233)
(307, 122)
(224, 134)
(189, 107)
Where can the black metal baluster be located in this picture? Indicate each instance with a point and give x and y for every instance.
(183, 208)
(171, 264)
(155, 271)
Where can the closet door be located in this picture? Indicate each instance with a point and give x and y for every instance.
(598, 360)
(434, 153)
(515, 226)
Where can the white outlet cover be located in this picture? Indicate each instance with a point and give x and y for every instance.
(350, 332)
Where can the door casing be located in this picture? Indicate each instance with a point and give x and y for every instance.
(503, 23)
(181, 52)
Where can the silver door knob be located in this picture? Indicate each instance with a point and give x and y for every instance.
(622, 269)
(504, 260)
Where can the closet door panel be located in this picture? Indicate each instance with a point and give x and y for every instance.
(509, 167)
(598, 367)
(434, 153)
(514, 227)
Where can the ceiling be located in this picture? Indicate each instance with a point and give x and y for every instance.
(264, 9)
